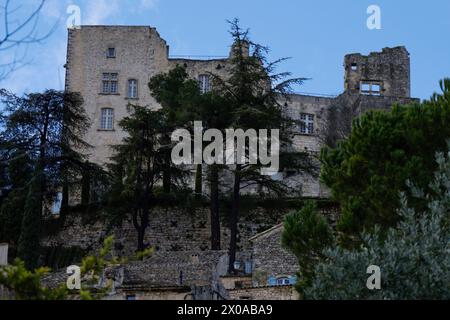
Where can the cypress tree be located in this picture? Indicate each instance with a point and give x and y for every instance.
(28, 249)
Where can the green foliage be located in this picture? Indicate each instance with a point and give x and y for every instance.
(175, 92)
(11, 212)
(26, 285)
(385, 149)
(414, 258)
(29, 241)
(172, 91)
(306, 234)
(138, 165)
(40, 133)
(49, 126)
(23, 284)
(94, 267)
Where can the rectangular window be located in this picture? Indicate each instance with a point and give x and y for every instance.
(204, 83)
(354, 67)
(307, 123)
(370, 88)
(107, 119)
(132, 89)
(109, 83)
(111, 53)
(283, 281)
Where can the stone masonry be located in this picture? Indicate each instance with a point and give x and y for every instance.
(375, 81)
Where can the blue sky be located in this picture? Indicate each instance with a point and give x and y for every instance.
(315, 34)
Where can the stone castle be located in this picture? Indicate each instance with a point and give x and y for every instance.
(111, 66)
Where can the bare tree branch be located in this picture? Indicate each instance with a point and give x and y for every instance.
(19, 31)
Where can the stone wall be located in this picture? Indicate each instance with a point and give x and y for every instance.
(86, 63)
(154, 294)
(265, 293)
(171, 229)
(297, 104)
(141, 53)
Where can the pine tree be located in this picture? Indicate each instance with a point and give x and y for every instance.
(183, 103)
(306, 234)
(138, 166)
(413, 256)
(253, 92)
(384, 150)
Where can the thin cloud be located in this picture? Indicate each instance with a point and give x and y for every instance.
(99, 11)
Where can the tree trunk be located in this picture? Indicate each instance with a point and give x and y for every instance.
(141, 235)
(198, 181)
(140, 227)
(167, 179)
(234, 216)
(215, 215)
(167, 172)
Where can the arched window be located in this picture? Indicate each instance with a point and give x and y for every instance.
(107, 119)
(204, 83)
(132, 89)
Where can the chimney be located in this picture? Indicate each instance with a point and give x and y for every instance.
(3, 254)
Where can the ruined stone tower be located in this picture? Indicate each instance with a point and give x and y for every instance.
(385, 73)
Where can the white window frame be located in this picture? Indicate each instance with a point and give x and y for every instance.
(283, 281)
(307, 123)
(204, 82)
(133, 89)
(107, 119)
(110, 83)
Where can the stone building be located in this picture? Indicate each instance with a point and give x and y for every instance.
(273, 271)
(112, 65)
(266, 272)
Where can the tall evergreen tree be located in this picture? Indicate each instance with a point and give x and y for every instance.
(171, 90)
(253, 92)
(138, 166)
(29, 242)
(11, 212)
(48, 127)
(183, 103)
